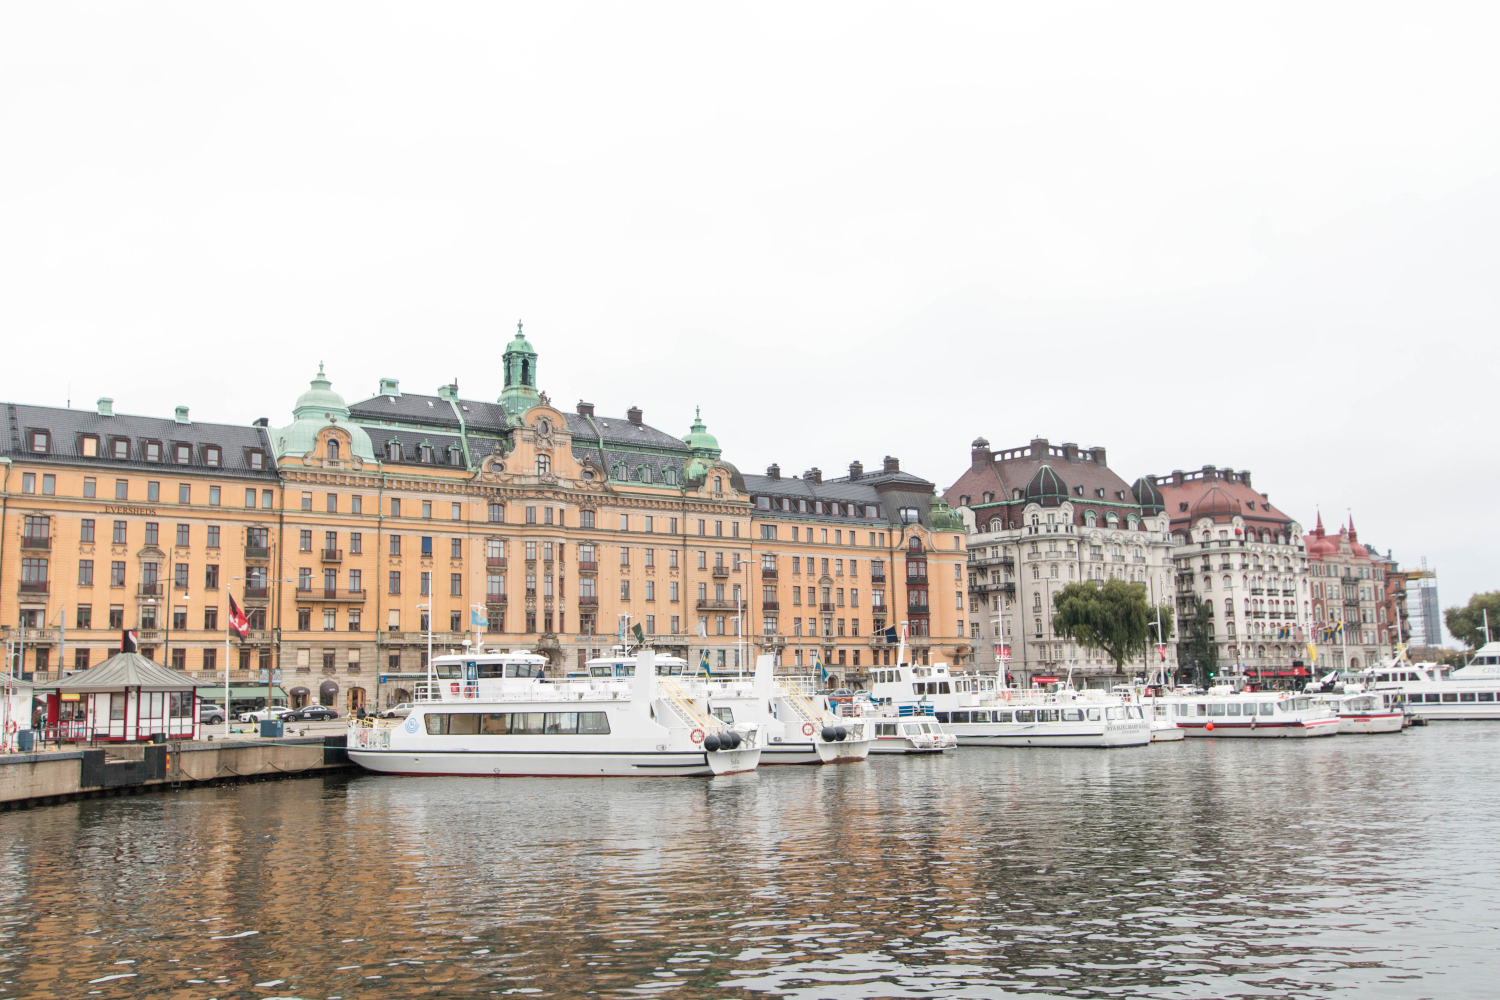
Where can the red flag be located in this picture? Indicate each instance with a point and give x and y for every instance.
(238, 623)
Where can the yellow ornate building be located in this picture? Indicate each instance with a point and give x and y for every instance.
(354, 531)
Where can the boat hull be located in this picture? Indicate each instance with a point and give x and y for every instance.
(843, 751)
(1167, 734)
(1198, 729)
(565, 764)
(900, 745)
(1372, 722)
(972, 734)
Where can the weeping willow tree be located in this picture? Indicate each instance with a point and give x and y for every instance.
(1117, 618)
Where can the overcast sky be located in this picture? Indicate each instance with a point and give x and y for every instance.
(1262, 237)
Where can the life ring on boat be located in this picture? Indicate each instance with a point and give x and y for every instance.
(469, 692)
(1005, 696)
(696, 736)
(808, 729)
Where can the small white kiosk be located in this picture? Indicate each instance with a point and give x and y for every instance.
(131, 698)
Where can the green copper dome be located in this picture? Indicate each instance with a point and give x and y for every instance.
(316, 408)
(320, 399)
(698, 438)
(519, 364)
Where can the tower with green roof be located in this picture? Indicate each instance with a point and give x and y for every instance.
(705, 447)
(520, 393)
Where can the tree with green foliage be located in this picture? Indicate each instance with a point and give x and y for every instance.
(1116, 617)
(1467, 623)
(1202, 650)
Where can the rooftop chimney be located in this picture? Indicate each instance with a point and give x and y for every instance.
(1070, 452)
(448, 392)
(390, 387)
(1178, 477)
(1098, 456)
(773, 471)
(634, 414)
(856, 470)
(585, 409)
(892, 464)
(106, 406)
(813, 475)
(1039, 448)
(1245, 477)
(261, 422)
(182, 415)
(980, 454)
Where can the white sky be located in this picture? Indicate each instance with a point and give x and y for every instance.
(1262, 237)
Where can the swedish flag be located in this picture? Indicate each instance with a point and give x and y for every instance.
(703, 662)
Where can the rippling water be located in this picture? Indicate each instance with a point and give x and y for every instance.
(1353, 866)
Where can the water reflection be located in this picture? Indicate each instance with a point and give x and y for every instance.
(1305, 869)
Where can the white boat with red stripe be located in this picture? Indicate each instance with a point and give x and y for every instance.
(1225, 714)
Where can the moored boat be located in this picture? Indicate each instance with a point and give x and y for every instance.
(1223, 713)
(497, 715)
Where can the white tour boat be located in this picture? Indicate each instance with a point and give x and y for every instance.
(496, 714)
(1436, 692)
(793, 728)
(1368, 711)
(1222, 712)
(975, 711)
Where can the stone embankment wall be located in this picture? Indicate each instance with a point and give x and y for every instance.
(42, 778)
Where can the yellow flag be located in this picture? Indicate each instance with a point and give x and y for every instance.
(1312, 654)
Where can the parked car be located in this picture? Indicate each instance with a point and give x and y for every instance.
(210, 715)
(263, 714)
(312, 713)
(399, 711)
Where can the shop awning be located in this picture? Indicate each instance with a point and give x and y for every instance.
(253, 691)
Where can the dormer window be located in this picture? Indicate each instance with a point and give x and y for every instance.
(212, 456)
(1112, 519)
(718, 484)
(453, 454)
(910, 515)
(871, 510)
(762, 503)
(183, 454)
(152, 451)
(670, 477)
(1100, 491)
(915, 545)
(41, 442)
(802, 506)
(120, 448)
(393, 451)
(88, 446)
(424, 453)
(1090, 518)
(989, 498)
(256, 460)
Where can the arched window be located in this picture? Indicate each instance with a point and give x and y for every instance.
(1228, 607)
(1132, 521)
(645, 473)
(915, 544)
(718, 484)
(1228, 582)
(1112, 519)
(1036, 572)
(997, 525)
(333, 450)
(1038, 628)
(393, 451)
(1035, 519)
(1208, 583)
(1054, 571)
(426, 453)
(543, 465)
(1090, 518)
(670, 476)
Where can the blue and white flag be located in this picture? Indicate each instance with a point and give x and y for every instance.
(476, 619)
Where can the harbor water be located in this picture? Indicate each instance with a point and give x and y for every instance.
(1358, 866)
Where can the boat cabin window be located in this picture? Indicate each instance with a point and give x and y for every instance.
(601, 671)
(1267, 708)
(1004, 717)
(1026, 715)
(725, 715)
(1302, 704)
(981, 717)
(1486, 696)
(886, 729)
(913, 729)
(1114, 714)
(1232, 708)
(959, 717)
(1466, 696)
(931, 727)
(1093, 714)
(447, 669)
(518, 723)
(1249, 708)
(1135, 712)
(1218, 709)
(1072, 715)
(1047, 714)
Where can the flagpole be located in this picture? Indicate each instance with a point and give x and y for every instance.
(226, 683)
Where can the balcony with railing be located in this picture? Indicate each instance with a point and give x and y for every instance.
(33, 586)
(916, 581)
(918, 609)
(877, 578)
(768, 574)
(707, 605)
(585, 602)
(825, 607)
(1289, 593)
(495, 562)
(770, 605)
(257, 593)
(721, 572)
(257, 552)
(333, 555)
(36, 542)
(497, 600)
(148, 590)
(588, 567)
(333, 594)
